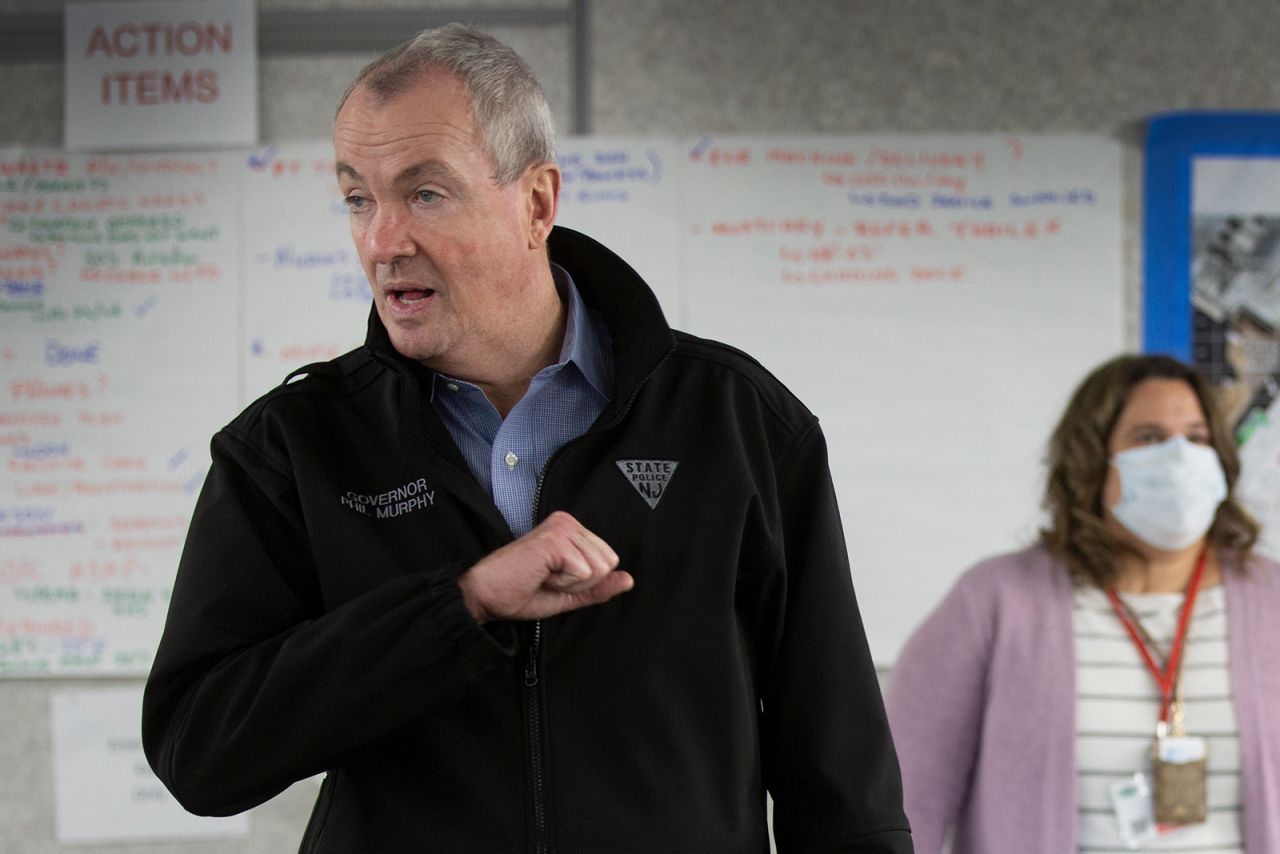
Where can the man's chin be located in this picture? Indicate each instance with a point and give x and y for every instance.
(422, 357)
(411, 345)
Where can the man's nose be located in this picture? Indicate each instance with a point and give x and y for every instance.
(387, 237)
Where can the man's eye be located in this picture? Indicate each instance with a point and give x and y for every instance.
(356, 203)
(427, 196)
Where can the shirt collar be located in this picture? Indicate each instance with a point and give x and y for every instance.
(582, 344)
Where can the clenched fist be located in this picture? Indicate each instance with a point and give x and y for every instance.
(558, 566)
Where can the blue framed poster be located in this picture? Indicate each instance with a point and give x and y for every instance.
(1212, 279)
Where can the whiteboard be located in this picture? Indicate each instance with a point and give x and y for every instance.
(932, 298)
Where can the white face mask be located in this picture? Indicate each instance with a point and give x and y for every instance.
(1170, 492)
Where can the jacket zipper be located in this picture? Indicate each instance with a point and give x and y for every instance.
(533, 703)
(533, 717)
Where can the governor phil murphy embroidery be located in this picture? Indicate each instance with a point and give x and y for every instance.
(407, 498)
(649, 477)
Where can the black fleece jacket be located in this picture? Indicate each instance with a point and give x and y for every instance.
(316, 624)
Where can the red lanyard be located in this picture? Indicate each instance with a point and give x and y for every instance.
(1168, 677)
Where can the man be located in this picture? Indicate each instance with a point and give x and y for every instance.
(529, 571)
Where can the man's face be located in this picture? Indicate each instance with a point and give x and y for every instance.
(451, 256)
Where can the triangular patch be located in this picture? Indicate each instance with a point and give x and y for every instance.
(649, 477)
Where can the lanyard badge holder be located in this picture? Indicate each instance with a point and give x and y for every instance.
(1176, 795)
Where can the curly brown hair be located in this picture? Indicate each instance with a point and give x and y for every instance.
(1077, 464)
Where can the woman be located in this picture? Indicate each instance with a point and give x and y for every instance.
(1023, 707)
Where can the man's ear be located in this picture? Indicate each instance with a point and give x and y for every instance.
(542, 191)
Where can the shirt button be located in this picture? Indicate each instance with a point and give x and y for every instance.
(511, 459)
(452, 386)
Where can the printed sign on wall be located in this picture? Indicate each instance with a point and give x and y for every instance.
(104, 791)
(150, 75)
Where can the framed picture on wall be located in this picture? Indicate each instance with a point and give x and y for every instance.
(1212, 276)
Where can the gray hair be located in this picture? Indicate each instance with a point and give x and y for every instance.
(507, 104)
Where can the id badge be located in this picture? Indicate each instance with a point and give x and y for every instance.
(1131, 798)
(1178, 778)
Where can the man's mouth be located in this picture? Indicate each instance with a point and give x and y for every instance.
(406, 297)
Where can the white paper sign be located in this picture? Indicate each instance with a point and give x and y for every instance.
(933, 299)
(625, 193)
(306, 296)
(117, 363)
(149, 75)
(104, 791)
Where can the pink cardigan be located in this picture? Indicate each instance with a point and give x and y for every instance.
(982, 707)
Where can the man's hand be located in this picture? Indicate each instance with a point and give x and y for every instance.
(558, 566)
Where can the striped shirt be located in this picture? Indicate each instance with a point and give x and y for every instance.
(507, 456)
(1118, 703)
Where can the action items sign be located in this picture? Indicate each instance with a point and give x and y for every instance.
(153, 74)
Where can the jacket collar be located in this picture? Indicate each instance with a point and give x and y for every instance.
(639, 331)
